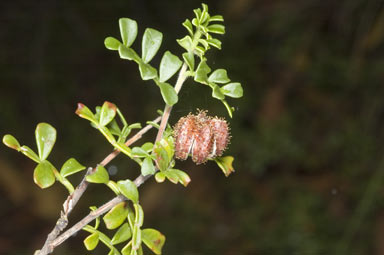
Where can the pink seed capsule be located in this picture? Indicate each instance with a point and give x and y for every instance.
(185, 132)
(221, 135)
(201, 136)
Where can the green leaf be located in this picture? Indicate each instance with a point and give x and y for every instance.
(139, 152)
(127, 249)
(186, 43)
(160, 177)
(139, 213)
(128, 53)
(136, 238)
(112, 43)
(91, 241)
(172, 176)
(116, 216)
(215, 43)
(30, 153)
(128, 30)
(147, 72)
(201, 72)
(183, 177)
(216, 92)
(107, 113)
(168, 66)
(148, 147)
(189, 58)
(151, 44)
(216, 18)
(11, 142)
(153, 239)
(232, 90)
(122, 234)
(99, 176)
(43, 174)
(216, 29)
(84, 112)
(45, 139)
(70, 167)
(129, 190)
(219, 76)
(147, 167)
(168, 93)
(188, 25)
(225, 164)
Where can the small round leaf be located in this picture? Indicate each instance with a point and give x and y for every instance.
(225, 164)
(219, 76)
(116, 216)
(147, 72)
(122, 234)
(107, 113)
(233, 89)
(129, 190)
(91, 241)
(168, 66)
(168, 93)
(128, 30)
(70, 167)
(99, 176)
(147, 167)
(153, 239)
(150, 44)
(43, 175)
(84, 112)
(45, 139)
(112, 43)
(11, 142)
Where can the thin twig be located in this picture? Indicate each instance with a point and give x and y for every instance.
(50, 246)
(72, 199)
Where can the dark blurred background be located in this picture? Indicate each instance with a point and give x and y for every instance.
(307, 135)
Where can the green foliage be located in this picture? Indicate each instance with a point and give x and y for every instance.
(100, 175)
(153, 158)
(129, 190)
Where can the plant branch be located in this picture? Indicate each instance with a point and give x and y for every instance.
(73, 198)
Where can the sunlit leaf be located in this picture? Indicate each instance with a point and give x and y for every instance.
(153, 239)
(84, 112)
(150, 44)
(71, 166)
(216, 18)
(107, 113)
(168, 93)
(168, 66)
(225, 164)
(91, 241)
(216, 29)
(122, 234)
(160, 177)
(216, 92)
(215, 43)
(233, 90)
(111, 43)
(43, 174)
(129, 190)
(190, 60)
(116, 216)
(186, 43)
(127, 249)
(128, 31)
(11, 142)
(219, 76)
(128, 53)
(99, 176)
(30, 153)
(45, 139)
(188, 25)
(147, 72)
(202, 72)
(147, 167)
(136, 238)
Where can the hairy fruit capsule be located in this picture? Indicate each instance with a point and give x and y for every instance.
(201, 136)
